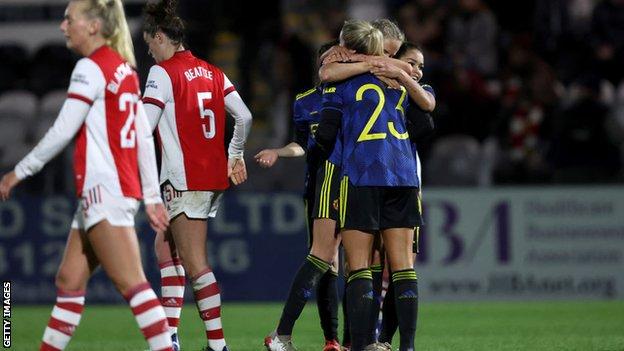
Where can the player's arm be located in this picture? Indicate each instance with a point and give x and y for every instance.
(86, 79)
(331, 119)
(339, 53)
(146, 157)
(327, 131)
(154, 208)
(267, 157)
(419, 124)
(67, 124)
(337, 71)
(236, 107)
(419, 95)
(297, 148)
(336, 53)
(423, 98)
(158, 91)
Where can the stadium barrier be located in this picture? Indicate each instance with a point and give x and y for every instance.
(478, 244)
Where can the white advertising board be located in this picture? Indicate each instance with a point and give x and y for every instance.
(522, 243)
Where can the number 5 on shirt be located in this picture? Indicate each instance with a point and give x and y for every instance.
(209, 132)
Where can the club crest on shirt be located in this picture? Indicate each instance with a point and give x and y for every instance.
(313, 128)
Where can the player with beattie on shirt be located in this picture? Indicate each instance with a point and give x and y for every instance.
(114, 167)
(186, 99)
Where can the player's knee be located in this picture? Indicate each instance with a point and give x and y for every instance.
(195, 267)
(323, 251)
(70, 281)
(124, 283)
(401, 265)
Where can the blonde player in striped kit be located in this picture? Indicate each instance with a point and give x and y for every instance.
(115, 167)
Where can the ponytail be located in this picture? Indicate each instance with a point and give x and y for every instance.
(362, 37)
(121, 40)
(114, 26)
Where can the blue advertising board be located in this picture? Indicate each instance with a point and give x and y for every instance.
(255, 246)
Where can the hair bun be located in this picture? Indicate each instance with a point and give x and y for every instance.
(170, 7)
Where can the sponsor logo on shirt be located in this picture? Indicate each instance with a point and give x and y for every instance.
(151, 84)
(79, 78)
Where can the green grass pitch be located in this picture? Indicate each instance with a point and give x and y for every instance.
(483, 326)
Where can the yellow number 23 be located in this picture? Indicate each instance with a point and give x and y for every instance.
(366, 134)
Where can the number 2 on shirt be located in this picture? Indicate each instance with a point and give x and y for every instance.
(209, 132)
(128, 102)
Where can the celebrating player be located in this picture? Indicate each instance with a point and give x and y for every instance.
(319, 269)
(342, 63)
(114, 167)
(187, 98)
(378, 190)
(420, 126)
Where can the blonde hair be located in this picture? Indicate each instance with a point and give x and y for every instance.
(362, 37)
(114, 26)
(389, 29)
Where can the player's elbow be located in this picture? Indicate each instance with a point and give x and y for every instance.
(324, 74)
(429, 104)
(246, 117)
(325, 142)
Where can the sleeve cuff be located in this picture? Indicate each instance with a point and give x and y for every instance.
(151, 200)
(20, 173)
(236, 154)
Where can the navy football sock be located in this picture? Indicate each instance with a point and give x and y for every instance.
(389, 322)
(406, 299)
(360, 303)
(305, 282)
(346, 333)
(327, 302)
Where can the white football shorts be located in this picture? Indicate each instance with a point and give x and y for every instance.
(195, 204)
(97, 204)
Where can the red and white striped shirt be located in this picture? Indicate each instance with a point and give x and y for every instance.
(114, 146)
(192, 96)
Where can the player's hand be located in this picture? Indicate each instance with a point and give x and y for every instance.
(337, 53)
(266, 158)
(8, 182)
(390, 82)
(359, 58)
(386, 70)
(237, 170)
(158, 216)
